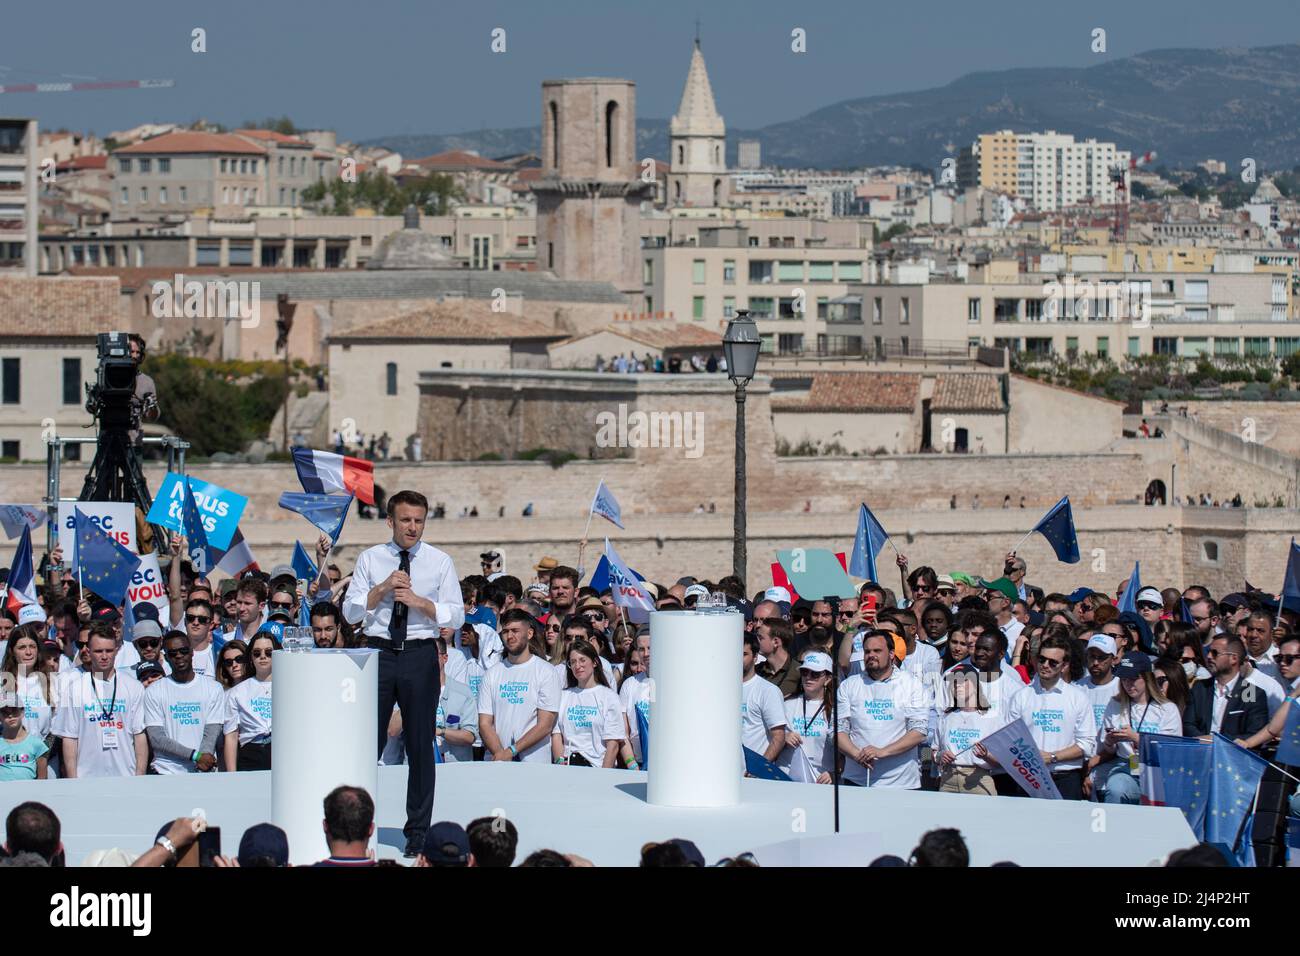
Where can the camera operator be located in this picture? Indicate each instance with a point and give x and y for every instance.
(145, 402)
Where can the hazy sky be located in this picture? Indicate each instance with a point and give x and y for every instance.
(396, 66)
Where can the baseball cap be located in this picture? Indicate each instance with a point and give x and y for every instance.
(275, 629)
(31, 614)
(1133, 665)
(695, 591)
(778, 594)
(959, 577)
(946, 583)
(1078, 594)
(146, 628)
(487, 557)
(446, 844)
(542, 589)
(1003, 586)
(264, 841)
(1236, 599)
(103, 611)
(817, 662)
(284, 570)
(689, 850)
(145, 611)
(1102, 642)
(1150, 595)
(149, 669)
(228, 587)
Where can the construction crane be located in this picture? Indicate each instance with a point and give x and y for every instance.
(81, 87)
(1119, 175)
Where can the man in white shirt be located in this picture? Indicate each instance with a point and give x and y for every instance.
(1259, 647)
(762, 710)
(401, 593)
(1101, 686)
(250, 611)
(519, 699)
(199, 618)
(184, 714)
(1059, 718)
(101, 720)
(922, 660)
(1000, 608)
(634, 696)
(883, 720)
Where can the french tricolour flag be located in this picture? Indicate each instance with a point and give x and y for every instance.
(21, 587)
(323, 472)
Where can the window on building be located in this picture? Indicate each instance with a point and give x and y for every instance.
(1227, 346)
(823, 306)
(904, 310)
(728, 306)
(243, 166)
(124, 164)
(10, 381)
(790, 343)
(279, 165)
(144, 193)
(728, 271)
(972, 310)
(1164, 345)
(1007, 310)
(760, 270)
(1257, 346)
(223, 165)
(126, 196)
(1038, 345)
(1284, 347)
(480, 252)
(162, 194)
(1197, 346)
(821, 272)
(225, 194)
(1103, 346)
(146, 165)
(877, 311)
(697, 271)
(207, 254)
(647, 270)
(72, 381)
(789, 271)
(1072, 346)
(850, 271)
(1196, 290)
(184, 195)
(785, 308)
(760, 307)
(1134, 346)
(164, 165)
(9, 450)
(697, 307)
(390, 377)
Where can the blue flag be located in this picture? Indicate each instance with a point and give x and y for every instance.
(1237, 773)
(103, 565)
(327, 512)
(1176, 773)
(1057, 526)
(600, 577)
(1129, 601)
(643, 731)
(1291, 585)
(196, 538)
(756, 765)
(1185, 612)
(871, 537)
(1288, 748)
(304, 568)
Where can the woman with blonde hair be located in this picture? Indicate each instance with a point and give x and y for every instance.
(1139, 708)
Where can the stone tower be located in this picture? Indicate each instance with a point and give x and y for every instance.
(590, 192)
(698, 139)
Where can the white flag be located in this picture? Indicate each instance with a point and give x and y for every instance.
(1015, 749)
(800, 767)
(13, 518)
(627, 591)
(605, 505)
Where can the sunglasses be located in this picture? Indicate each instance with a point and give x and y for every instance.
(1286, 658)
(1215, 652)
(1050, 662)
(148, 643)
(1162, 681)
(82, 645)
(262, 653)
(227, 661)
(553, 627)
(807, 675)
(277, 606)
(178, 652)
(197, 618)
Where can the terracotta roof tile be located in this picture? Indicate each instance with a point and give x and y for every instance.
(463, 320)
(57, 307)
(459, 159)
(191, 142)
(856, 392)
(966, 393)
(678, 336)
(272, 136)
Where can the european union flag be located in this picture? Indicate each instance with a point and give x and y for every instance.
(1129, 601)
(1291, 586)
(103, 565)
(1057, 526)
(304, 568)
(1288, 748)
(871, 537)
(756, 765)
(1176, 773)
(327, 512)
(643, 731)
(1185, 612)
(196, 536)
(1237, 773)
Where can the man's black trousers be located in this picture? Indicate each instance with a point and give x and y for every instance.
(409, 677)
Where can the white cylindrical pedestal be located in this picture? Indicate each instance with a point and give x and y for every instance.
(324, 734)
(695, 753)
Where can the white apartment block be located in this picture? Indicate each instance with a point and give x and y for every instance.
(1052, 171)
(19, 172)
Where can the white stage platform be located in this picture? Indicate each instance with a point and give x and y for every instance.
(602, 815)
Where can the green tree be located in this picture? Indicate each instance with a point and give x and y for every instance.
(216, 406)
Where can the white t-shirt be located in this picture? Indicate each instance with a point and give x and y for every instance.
(1154, 719)
(127, 655)
(762, 710)
(878, 713)
(205, 662)
(1057, 719)
(512, 695)
(1099, 696)
(589, 718)
(634, 696)
(958, 730)
(812, 722)
(105, 748)
(923, 660)
(248, 709)
(37, 712)
(182, 711)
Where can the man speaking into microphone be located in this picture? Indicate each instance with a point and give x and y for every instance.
(401, 593)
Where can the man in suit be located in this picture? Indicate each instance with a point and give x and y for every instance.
(1228, 705)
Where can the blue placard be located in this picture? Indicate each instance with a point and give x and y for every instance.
(219, 508)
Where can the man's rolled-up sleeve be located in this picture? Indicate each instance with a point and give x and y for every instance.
(358, 594)
(451, 607)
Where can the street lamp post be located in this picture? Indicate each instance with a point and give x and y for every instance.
(740, 345)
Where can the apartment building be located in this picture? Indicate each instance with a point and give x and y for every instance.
(180, 174)
(1112, 314)
(1048, 170)
(787, 287)
(19, 211)
(292, 164)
